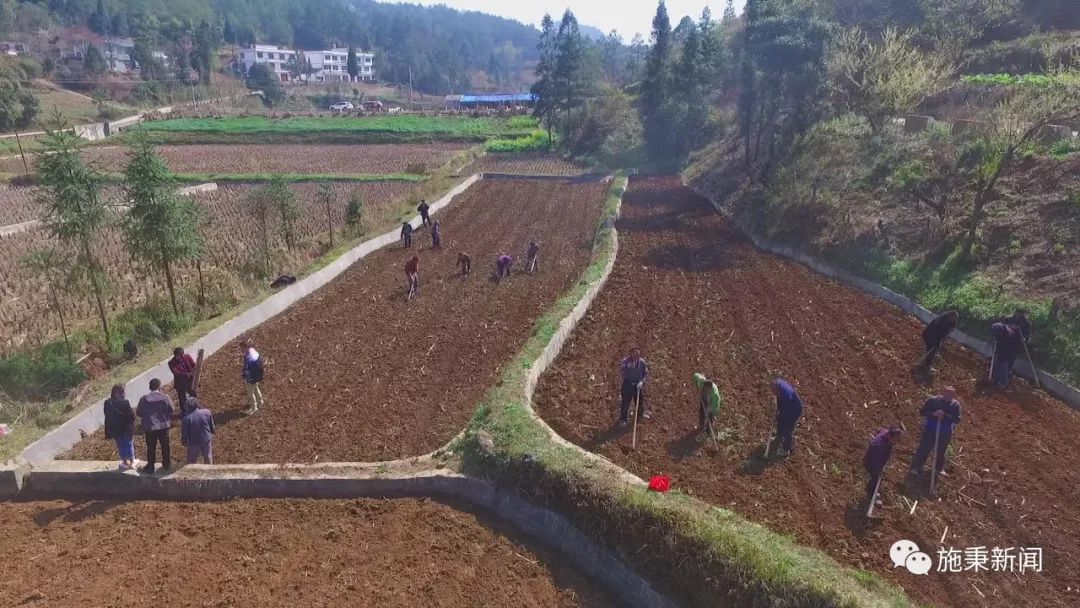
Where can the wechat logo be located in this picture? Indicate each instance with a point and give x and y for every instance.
(907, 554)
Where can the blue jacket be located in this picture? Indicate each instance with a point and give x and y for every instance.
(788, 405)
(952, 414)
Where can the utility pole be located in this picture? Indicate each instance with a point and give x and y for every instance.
(26, 166)
(192, 93)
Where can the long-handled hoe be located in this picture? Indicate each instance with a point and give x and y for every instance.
(1034, 370)
(873, 499)
(993, 360)
(933, 468)
(637, 412)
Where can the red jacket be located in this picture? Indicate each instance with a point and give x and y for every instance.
(183, 368)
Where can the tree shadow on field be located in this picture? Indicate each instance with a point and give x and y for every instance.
(689, 258)
(74, 513)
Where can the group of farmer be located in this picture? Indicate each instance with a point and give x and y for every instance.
(156, 412)
(503, 262)
(940, 413)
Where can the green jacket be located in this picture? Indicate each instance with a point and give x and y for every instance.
(711, 396)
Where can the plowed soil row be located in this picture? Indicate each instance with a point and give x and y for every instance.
(530, 163)
(354, 373)
(288, 158)
(265, 553)
(697, 297)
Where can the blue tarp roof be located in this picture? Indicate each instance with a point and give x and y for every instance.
(499, 98)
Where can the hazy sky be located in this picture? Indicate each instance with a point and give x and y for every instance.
(627, 16)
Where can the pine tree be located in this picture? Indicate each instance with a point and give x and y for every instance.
(75, 212)
(543, 88)
(657, 82)
(161, 227)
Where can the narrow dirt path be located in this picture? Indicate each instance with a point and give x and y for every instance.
(696, 297)
(357, 374)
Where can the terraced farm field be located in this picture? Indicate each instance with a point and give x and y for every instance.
(525, 164)
(697, 297)
(285, 158)
(354, 373)
(277, 553)
(232, 244)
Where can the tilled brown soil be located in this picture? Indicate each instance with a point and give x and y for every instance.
(276, 158)
(531, 163)
(268, 553)
(697, 297)
(354, 373)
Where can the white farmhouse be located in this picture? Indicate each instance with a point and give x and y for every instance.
(275, 57)
(330, 65)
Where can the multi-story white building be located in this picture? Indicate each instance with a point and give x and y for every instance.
(277, 58)
(330, 65)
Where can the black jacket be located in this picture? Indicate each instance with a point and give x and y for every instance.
(119, 419)
(938, 329)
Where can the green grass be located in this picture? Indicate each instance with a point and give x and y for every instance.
(717, 550)
(536, 141)
(259, 125)
(980, 301)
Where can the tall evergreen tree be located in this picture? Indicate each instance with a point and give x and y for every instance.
(352, 64)
(543, 87)
(161, 227)
(100, 21)
(571, 74)
(657, 81)
(75, 212)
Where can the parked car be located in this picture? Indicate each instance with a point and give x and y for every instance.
(341, 106)
(371, 105)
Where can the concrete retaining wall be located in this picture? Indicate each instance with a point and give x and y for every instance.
(198, 188)
(11, 479)
(1052, 385)
(65, 436)
(91, 480)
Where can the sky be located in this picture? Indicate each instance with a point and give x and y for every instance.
(627, 16)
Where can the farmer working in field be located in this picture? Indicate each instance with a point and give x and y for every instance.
(252, 372)
(877, 456)
(182, 367)
(1019, 319)
(436, 236)
(424, 210)
(532, 257)
(942, 413)
(197, 432)
(465, 263)
(789, 408)
(634, 370)
(1008, 343)
(412, 273)
(934, 334)
(709, 401)
(502, 267)
(406, 234)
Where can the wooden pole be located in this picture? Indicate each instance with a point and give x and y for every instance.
(26, 166)
(198, 370)
(637, 412)
(1034, 371)
(933, 464)
(873, 499)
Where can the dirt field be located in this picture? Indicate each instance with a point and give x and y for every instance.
(283, 553)
(696, 297)
(356, 374)
(525, 164)
(291, 158)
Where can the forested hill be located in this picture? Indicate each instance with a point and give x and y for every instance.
(439, 43)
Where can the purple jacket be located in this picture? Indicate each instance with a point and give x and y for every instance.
(879, 451)
(632, 372)
(197, 427)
